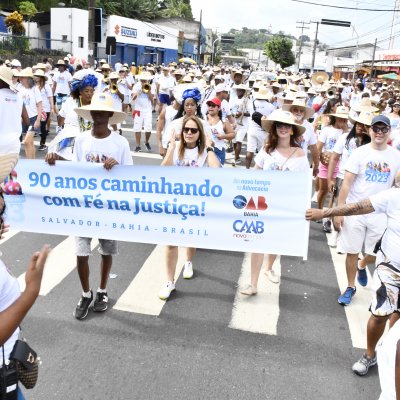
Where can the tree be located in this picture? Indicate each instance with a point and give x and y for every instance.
(279, 50)
(14, 22)
(177, 8)
(29, 10)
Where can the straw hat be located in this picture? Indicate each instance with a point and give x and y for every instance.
(288, 96)
(187, 79)
(285, 117)
(101, 102)
(6, 75)
(319, 78)
(41, 66)
(113, 75)
(263, 94)
(241, 87)
(25, 73)
(365, 117)
(41, 74)
(276, 85)
(145, 76)
(61, 62)
(292, 87)
(365, 105)
(257, 85)
(312, 91)
(341, 112)
(309, 112)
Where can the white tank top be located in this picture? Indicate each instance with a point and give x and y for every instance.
(213, 131)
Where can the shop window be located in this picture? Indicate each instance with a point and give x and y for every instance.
(81, 41)
(64, 38)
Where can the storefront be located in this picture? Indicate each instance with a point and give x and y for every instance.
(142, 42)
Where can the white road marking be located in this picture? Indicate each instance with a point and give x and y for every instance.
(61, 261)
(259, 313)
(141, 296)
(9, 235)
(357, 313)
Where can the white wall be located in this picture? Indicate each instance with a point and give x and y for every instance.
(73, 23)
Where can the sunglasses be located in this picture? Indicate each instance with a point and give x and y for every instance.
(282, 125)
(212, 105)
(378, 129)
(191, 130)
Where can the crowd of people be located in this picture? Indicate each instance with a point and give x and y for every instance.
(346, 133)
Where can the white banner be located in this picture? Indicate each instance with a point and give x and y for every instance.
(225, 209)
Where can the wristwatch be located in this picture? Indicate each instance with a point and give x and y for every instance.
(210, 148)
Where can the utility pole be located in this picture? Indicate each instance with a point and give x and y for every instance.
(394, 23)
(315, 46)
(199, 40)
(373, 60)
(91, 7)
(302, 27)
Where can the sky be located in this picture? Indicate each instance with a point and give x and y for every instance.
(222, 15)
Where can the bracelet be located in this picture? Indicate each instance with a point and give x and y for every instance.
(210, 148)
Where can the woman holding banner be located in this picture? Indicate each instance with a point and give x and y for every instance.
(193, 150)
(281, 152)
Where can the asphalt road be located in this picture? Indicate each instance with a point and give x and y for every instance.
(189, 350)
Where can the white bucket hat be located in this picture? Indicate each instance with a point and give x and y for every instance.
(285, 117)
(101, 102)
(365, 117)
(6, 75)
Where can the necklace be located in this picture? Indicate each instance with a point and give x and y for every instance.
(83, 125)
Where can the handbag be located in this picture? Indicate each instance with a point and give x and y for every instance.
(8, 380)
(27, 363)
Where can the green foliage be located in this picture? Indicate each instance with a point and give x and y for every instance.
(28, 9)
(177, 8)
(279, 50)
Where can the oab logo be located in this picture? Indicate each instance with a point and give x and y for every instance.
(240, 202)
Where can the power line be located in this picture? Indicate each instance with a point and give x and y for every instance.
(342, 7)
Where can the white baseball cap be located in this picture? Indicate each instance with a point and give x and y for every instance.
(15, 63)
(221, 88)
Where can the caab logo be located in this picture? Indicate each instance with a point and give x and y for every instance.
(248, 226)
(240, 202)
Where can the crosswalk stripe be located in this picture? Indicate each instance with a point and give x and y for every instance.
(61, 261)
(141, 296)
(357, 313)
(9, 235)
(260, 313)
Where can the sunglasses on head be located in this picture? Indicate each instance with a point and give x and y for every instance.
(191, 130)
(378, 129)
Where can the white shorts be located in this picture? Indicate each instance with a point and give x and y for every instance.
(127, 99)
(255, 140)
(106, 247)
(359, 230)
(385, 288)
(240, 134)
(143, 121)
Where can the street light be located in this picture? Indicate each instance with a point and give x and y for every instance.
(213, 50)
(356, 55)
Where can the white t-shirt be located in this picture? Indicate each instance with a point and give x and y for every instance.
(62, 79)
(308, 138)
(142, 101)
(170, 113)
(90, 149)
(386, 353)
(9, 293)
(388, 202)
(191, 158)
(68, 112)
(329, 136)
(238, 105)
(225, 109)
(276, 162)
(263, 107)
(213, 131)
(375, 171)
(11, 104)
(345, 152)
(31, 99)
(46, 92)
(166, 84)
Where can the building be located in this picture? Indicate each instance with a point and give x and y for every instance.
(189, 34)
(141, 42)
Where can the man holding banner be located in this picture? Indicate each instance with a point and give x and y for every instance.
(99, 145)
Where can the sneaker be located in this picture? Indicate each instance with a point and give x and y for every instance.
(229, 149)
(333, 238)
(361, 367)
(101, 302)
(233, 164)
(362, 277)
(58, 129)
(271, 276)
(147, 145)
(327, 225)
(166, 291)
(238, 161)
(188, 270)
(315, 197)
(81, 310)
(345, 298)
(249, 290)
(138, 149)
(42, 147)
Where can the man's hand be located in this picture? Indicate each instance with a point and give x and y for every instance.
(34, 273)
(109, 163)
(314, 214)
(51, 158)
